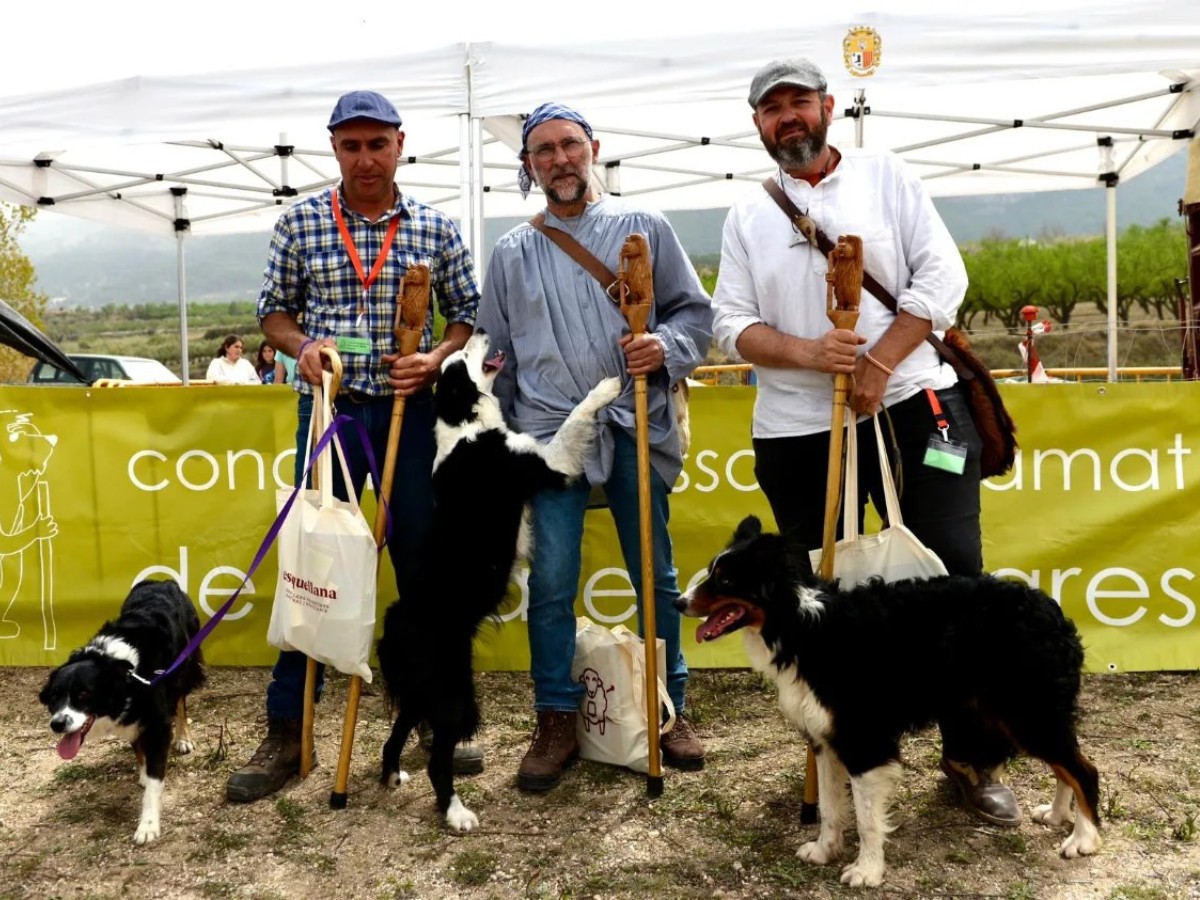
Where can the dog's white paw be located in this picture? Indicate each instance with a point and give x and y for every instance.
(459, 817)
(819, 854)
(859, 874)
(399, 779)
(602, 394)
(1080, 844)
(186, 745)
(149, 829)
(1045, 814)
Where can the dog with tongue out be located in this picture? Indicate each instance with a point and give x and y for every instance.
(105, 689)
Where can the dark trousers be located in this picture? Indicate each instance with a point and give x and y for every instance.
(411, 508)
(940, 508)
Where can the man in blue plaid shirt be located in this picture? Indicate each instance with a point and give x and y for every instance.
(332, 280)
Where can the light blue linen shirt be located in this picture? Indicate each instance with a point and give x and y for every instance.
(560, 331)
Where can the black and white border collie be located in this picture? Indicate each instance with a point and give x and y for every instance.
(103, 689)
(484, 477)
(858, 669)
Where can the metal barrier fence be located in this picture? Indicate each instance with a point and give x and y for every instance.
(741, 374)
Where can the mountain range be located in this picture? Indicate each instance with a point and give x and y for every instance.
(89, 264)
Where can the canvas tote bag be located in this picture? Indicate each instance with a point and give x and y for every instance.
(611, 666)
(891, 554)
(328, 561)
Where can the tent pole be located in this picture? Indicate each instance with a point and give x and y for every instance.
(860, 109)
(1110, 193)
(465, 188)
(182, 227)
(1190, 305)
(477, 188)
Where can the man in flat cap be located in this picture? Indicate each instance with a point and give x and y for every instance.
(332, 280)
(562, 333)
(770, 310)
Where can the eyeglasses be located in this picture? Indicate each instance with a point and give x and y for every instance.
(572, 147)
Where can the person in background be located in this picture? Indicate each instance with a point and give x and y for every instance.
(230, 366)
(561, 335)
(332, 280)
(769, 308)
(268, 365)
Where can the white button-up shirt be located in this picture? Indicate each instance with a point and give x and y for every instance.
(771, 275)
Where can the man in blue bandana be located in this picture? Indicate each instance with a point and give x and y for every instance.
(562, 333)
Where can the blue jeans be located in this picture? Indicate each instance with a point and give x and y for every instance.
(554, 577)
(411, 508)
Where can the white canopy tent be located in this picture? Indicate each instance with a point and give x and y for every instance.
(981, 102)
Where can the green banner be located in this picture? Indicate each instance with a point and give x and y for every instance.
(108, 486)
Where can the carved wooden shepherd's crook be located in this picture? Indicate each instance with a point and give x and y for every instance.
(635, 278)
(843, 290)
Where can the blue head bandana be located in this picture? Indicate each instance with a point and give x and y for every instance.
(545, 113)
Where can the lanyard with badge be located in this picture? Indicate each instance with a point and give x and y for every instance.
(941, 452)
(360, 340)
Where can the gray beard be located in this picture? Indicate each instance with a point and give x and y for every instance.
(799, 154)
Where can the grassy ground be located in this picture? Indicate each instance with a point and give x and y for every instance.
(730, 831)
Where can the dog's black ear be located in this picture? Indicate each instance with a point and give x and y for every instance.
(748, 529)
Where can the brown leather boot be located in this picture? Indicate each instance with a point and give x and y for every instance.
(275, 761)
(983, 795)
(681, 747)
(553, 749)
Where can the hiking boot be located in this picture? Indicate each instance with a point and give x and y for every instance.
(553, 749)
(275, 761)
(681, 748)
(987, 798)
(468, 758)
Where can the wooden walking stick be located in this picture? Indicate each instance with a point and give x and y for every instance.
(310, 670)
(635, 279)
(411, 310)
(843, 291)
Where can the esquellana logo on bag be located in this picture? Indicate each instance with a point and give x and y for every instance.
(306, 593)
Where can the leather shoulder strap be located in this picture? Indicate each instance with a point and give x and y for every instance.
(586, 260)
(807, 227)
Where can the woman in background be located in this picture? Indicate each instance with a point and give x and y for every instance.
(269, 367)
(229, 366)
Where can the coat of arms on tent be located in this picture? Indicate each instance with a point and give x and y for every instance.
(862, 51)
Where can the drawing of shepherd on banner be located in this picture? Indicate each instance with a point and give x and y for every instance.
(25, 522)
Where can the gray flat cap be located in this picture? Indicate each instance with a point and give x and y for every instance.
(799, 73)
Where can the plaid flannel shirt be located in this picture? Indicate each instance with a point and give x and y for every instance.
(310, 277)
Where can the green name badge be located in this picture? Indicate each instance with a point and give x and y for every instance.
(352, 344)
(949, 456)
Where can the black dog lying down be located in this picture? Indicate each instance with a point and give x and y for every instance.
(103, 688)
(484, 476)
(858, 669)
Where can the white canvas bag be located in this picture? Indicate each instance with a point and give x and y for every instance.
(891, 554)
(328, 561)
(611, 666)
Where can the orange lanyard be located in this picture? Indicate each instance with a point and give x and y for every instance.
(939, 417)
(367, 280)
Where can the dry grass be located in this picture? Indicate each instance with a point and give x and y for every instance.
(729, 831)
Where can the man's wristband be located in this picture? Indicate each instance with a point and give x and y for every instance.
(304, 346)
(877, 364)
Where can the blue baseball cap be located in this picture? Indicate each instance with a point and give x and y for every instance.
(364, 105)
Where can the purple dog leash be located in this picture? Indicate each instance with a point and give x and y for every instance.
(336, 425)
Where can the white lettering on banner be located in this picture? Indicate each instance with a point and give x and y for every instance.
(213, 469)
(207, 590)
(591, 592)
(211, 465)
(1144, 475)
(1096, 591)
(713, 480)
(520, 580)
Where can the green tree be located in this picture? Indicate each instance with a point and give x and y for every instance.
(17, 278)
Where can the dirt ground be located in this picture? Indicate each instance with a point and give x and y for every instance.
(729, 831)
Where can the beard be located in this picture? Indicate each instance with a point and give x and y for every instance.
(799, 149)
(565, 184)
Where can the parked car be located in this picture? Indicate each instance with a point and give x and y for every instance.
(138, 369)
